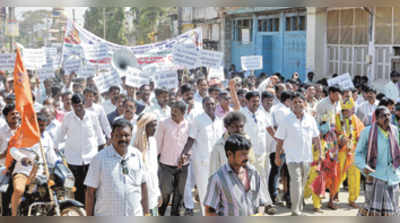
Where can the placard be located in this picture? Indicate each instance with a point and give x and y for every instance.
(107, 79)
(343, 80)
(209, 58)
(185, 56)
(251, 62)
(167, 79)
(72, 65)
(7, 61)
(217, 73)
(46, 72)
(34, 58)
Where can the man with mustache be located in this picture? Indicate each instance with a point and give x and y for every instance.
(116, 177)
(295, 136)
(378, 158)
(235, 189)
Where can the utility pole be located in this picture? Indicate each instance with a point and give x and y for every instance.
(104, 23)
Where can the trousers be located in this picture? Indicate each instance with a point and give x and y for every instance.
(172, 182)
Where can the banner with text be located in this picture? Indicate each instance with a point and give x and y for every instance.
(343, 80)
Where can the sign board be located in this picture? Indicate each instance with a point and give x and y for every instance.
(245, 36)
(185, 56)
(134, 78)
(344, 81)
(251, 62)
(107, 79)
(34, 58)
(95, 51)
(46, 72)
(167, 79)
(72, 65)
(7, 61)
(209, 58)
(217, 73)
(87, 71)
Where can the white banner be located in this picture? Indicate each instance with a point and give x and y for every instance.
(343, 80)
(160, 53)
(185, 56)
(167, 79)
(107, 79)
(7, 61)
(209, 58)
(251, 62)
(34, 58)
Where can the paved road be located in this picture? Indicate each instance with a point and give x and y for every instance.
(344, 208)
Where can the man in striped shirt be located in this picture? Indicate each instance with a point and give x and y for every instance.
(234, 190)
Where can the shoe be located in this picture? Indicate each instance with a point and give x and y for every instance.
(270, 210)
(188, 212)
(332, 206)
(317, 210)
(353, 204)
(278, 202)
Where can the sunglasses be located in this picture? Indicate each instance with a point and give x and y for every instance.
(125, 170)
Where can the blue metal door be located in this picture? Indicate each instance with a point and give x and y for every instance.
(295, 54)
(271, 49)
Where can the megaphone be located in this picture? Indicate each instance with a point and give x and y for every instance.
(124, 59)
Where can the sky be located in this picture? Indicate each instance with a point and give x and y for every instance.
(79, 12)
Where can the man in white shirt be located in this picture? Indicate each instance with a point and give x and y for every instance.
(204, 132)
(116, 178)
(330, 105)
(109, 104)
(256, 129)
(391, 89)
(366, 109)
(13, 120)
(89, 94)
(296, 135)
(160, 107)
(279, 112)
(202, 88)
(84, 137)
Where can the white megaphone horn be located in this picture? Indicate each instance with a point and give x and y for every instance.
(124, 59)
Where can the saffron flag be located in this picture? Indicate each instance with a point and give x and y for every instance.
(28, 133)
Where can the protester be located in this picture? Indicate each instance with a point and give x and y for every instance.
(378, 158)
(171, 136)
(233, 182)
(296, 135)
(116, 178)
(83, 138)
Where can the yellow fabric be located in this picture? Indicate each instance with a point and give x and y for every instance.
(311, 177)
(346, 157)
(348, 105)
(353, 176)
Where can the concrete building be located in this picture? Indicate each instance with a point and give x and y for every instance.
(360, 41)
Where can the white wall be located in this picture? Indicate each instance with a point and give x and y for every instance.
(316, 42)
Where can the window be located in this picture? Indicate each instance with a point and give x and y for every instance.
(296, 23)
(239, 25)
(268, 25)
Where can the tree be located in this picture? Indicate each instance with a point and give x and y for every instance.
(115, 27)
(28, 35)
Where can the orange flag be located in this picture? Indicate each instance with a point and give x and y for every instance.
(28, 133)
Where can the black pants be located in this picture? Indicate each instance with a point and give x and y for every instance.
(172, 182)
(273, 181)
(80, 175)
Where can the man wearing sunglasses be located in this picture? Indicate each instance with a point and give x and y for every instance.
(115, 181)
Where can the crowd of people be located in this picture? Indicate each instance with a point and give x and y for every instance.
(239, 147)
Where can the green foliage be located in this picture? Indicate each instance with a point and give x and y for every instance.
(115, 29)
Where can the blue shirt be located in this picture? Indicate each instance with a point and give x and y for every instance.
(384, 169)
